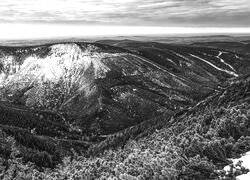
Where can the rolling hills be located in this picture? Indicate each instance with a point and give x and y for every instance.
(58, 99)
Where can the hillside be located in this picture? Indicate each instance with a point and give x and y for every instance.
(59, 100)
(193, 145)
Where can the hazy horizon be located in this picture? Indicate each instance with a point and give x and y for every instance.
(44, 31)
(41, 19)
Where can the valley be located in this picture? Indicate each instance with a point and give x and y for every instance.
(64, 99)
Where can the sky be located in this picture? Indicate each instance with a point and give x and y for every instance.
(102, 17)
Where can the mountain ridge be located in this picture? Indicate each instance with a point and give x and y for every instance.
(85, 94)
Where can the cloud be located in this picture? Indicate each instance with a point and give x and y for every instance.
(128, 12)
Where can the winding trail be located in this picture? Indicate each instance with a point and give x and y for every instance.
(222, 60)
(226, 71)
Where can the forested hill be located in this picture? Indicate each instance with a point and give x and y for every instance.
(152, 101)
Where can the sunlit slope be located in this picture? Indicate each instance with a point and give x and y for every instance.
(103, 89)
